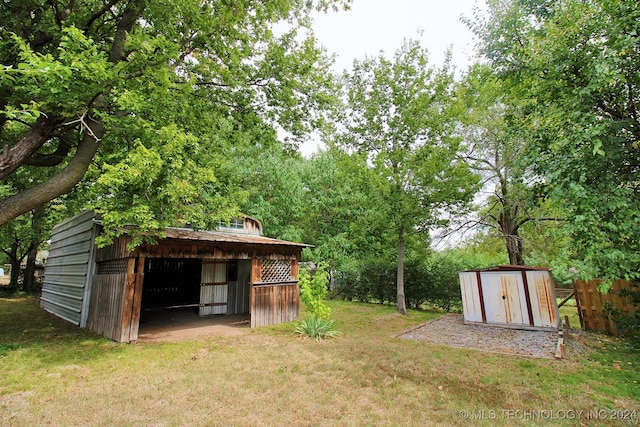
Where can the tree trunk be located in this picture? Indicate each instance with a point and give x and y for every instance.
(37, 236)
(14, 275)
(514, 248)
(29, 270)
(400, 302)
(40, 132)
(509, 228)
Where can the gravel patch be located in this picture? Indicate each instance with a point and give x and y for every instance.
(450, 330)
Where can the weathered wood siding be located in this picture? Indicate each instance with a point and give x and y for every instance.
(273, 304)
(106, 305)
(209, 251)
(275, 296)
(114, 307)
(591, 305)
(68, 270)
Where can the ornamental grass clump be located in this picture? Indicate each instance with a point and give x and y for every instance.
(316, 328)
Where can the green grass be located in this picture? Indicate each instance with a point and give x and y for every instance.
(570, 310)
(54, 373)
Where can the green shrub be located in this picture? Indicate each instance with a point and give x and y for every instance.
(316, 328)
(313, 291)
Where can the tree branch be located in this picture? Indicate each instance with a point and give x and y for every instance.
(59, 184)
(40, 132)
(99, 13)
(50, 159)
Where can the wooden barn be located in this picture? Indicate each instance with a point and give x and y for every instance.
(510, 296)
(232, 270)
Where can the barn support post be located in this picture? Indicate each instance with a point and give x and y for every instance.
(255, 277)
(137, 299)
(132, 299)
(127, 301)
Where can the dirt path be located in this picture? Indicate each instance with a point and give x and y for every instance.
(185, 324)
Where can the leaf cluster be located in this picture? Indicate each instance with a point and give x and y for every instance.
(575, 65)
(313, 290)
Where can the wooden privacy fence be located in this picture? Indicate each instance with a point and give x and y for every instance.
(592, 305)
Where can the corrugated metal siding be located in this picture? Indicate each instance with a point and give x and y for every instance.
(213, 289)
(66, 273)
(238, 298)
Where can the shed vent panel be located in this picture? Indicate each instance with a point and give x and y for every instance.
(276, 270)
(113, 266)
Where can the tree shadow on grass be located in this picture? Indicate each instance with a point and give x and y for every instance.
(26, 326)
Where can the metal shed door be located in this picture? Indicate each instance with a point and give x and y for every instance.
(213, 288)
(504, 298)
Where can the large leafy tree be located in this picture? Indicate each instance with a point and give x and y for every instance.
(578, 62)
(338, 207)
(145, 97)
(497, 146)
(272, 178)
(401, 114)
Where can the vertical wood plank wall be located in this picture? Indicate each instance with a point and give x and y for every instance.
(114, 306)
(273, 303)
(591, 305)
(105, 305)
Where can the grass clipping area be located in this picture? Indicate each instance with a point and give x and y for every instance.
(53, 373)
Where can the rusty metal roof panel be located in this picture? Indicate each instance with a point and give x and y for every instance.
(511, 268)
(226, 237)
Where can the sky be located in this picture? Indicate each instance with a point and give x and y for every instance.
(371, 26)
(374, 25)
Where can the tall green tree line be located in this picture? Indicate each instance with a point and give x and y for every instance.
(576, 65)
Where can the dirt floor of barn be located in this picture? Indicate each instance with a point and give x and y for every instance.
(174, 324)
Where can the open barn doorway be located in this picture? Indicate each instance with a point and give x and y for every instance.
(188, 298)
(170, 285)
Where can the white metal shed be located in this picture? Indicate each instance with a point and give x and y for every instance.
(511, 296)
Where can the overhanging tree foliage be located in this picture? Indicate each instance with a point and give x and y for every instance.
(578, 62)
(401, 114)
(143, 97)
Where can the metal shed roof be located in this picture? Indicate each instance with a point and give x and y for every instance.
(510, 268)
(226, 237)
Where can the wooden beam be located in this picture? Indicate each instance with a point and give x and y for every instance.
(137, 299)
(127, 301)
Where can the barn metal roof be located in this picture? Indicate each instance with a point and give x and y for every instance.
(226, 237)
